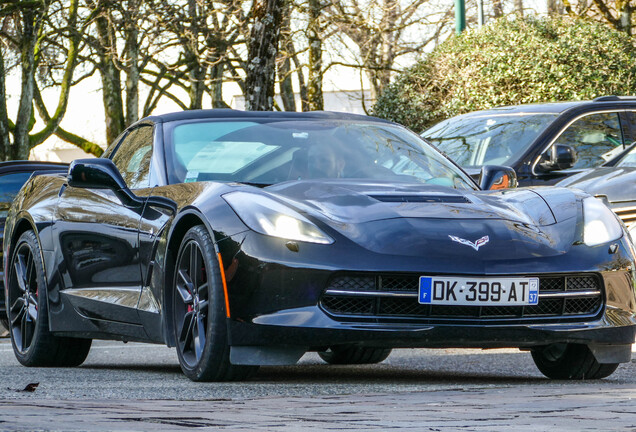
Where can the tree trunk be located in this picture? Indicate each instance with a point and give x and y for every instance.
(626, 17)
(262, 51)
(111, 83)
(31, 20)
(390, 18)
(302, 85)
(216, 90)
(314, 84)
(284, 61)
(497, 8)
(132, 66)
(286, 85)
(4, 117)
(196, 73)
(519, 7)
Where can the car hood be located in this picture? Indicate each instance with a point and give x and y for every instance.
(416, 219)
(617, 183)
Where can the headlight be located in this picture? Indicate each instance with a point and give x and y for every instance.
(601, 224)
(269, 217)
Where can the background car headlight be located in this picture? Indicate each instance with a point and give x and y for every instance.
(269, 217)
(601, 224)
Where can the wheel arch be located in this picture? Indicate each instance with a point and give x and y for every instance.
(23, 224)
(187, 219)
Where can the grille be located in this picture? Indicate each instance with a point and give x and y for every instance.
(627, 215)
(391, 296)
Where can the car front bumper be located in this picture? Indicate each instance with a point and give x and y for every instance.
(275, 297)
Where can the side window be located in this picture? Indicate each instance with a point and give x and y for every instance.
(133, 156)
(596, 138)
(112, 146)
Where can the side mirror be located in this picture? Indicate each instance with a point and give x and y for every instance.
(95, 174)
(558, 157)
(493, 177)
(102, 173)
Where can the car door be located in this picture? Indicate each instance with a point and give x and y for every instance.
(595, 138)
(98, 240)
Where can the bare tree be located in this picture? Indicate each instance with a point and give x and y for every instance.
(119, 49)
(202, 40)
(384, 31)
(46, 37)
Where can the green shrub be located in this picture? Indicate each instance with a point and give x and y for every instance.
(510, 62)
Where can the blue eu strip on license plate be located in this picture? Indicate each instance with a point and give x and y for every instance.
(467, 291)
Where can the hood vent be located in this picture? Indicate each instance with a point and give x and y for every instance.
(419, 198)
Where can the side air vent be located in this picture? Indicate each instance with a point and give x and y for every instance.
(421, 198)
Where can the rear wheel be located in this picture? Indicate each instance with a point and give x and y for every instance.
(351, 354)
(199, 312)
(33, 343)
(570, 362)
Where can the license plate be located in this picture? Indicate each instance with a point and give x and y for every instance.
(461, 291)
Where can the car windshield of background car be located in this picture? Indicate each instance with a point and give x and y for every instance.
(487, 139)
(273, 151)
(10, 185)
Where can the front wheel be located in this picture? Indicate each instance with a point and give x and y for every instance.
(354, 355)
(570, 362)
(199, 312)
(33, 343)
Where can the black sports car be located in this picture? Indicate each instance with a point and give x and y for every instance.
(250, 238)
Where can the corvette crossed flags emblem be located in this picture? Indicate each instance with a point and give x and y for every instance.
(478, 243)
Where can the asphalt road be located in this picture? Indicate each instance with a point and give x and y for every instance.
(140, 387)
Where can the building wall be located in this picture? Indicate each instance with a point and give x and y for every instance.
(350, 101)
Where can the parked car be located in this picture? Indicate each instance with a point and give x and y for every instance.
(249, 238)
(13, 175)
(615, 183)
(544, 143)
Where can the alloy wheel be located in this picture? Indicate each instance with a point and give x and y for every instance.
(191, 303)
(23, 298)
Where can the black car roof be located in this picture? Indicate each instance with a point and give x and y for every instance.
(233, 114)
(27, 166)
(607, 102)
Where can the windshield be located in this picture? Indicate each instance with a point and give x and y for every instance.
(629, 160)
(487, 139)
(270, 151)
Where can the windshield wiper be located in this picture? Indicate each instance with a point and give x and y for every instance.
(259, 185)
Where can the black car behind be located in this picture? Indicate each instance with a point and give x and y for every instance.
(13, 175)
(544, 143)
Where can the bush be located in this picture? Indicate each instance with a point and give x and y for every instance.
(510, 62)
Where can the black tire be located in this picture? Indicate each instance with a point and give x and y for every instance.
(354, 355)
(199, 316)
(570, 362)
(27, 309)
